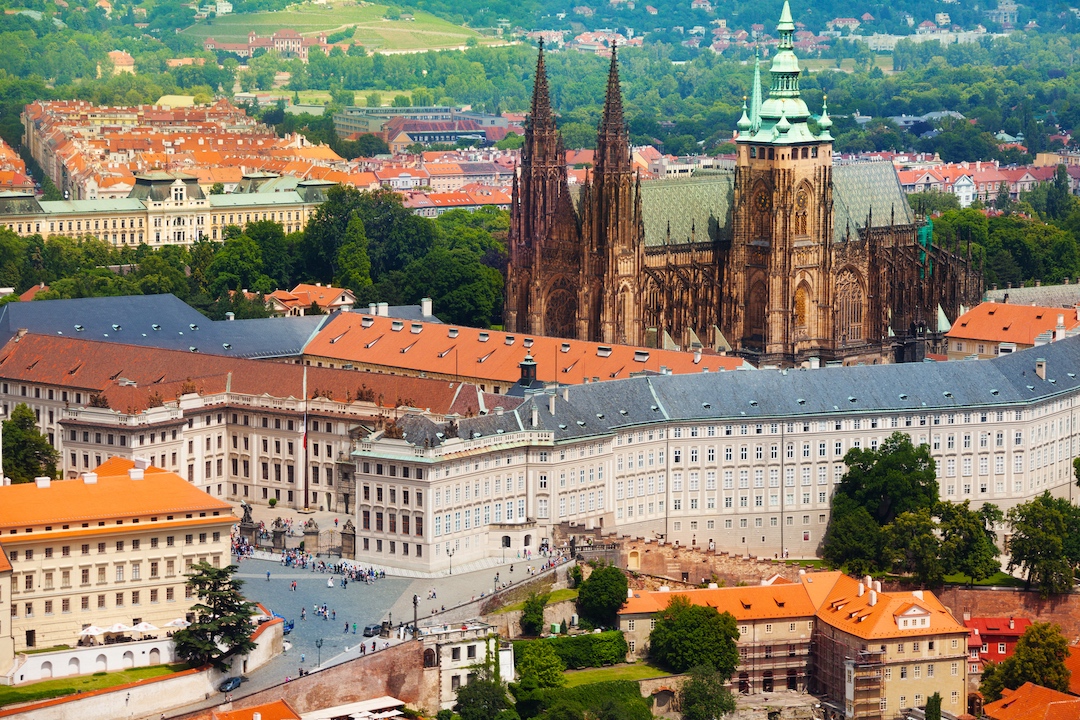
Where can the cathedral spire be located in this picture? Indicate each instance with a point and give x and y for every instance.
(755, 96)
(541, 114)
(613, 108)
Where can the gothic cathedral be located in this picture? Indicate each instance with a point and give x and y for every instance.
(786, 256)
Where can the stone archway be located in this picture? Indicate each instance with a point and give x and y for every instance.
(633, 562)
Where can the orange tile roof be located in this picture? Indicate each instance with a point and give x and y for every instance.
(114, 496)
(464, 352)
(1033, 702)
(1005, 322)
(754, 602)
(5, 564)
(1072, 663)
(846, 610)
(29, 294)
(277, 710)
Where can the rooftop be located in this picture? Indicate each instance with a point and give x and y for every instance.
(113, 497)
(1033, 702)
(1005, 322)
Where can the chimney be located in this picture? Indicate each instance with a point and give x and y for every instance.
(815, 363)
(498, 410)
(566, 394)
(629, 593)
(142, 462)
(862, 589)
(90, 478)
(230, 316)
(535, 416)
(867, 580)
(697, 355)
(256, 716)
(373, 309)
(135, 473)
(384, 309)
(1012, 624)
(43, 481)
(873, 598)
(1059, 331)
(917, 594)
(877, 585)
(1040, 368)
(425, 307)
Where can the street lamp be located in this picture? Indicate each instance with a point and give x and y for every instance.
(318, 644)
(450, 552)
(415, 619)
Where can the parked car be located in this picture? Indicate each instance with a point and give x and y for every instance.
(229, 684)
(372, 630)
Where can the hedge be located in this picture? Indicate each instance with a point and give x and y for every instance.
(587, 650)
(620, 697)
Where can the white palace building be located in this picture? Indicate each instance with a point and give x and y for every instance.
(743, 461)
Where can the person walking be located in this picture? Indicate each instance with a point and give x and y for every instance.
(267, 576)
(354, 628)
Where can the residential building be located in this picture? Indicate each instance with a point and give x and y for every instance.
(122, 62)
(991, 328)
(305, 296)
(747, 461)
(991, 639)
(288, 42)
(453, 652)
(434, 204)
(374, 119)
(871, 654)
(775, 623)
(111, 546)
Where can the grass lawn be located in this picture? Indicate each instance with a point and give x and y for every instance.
(557, 596)
(885, 62)
(630, 671)
(1000, 579)
(81, 683)
(816, 564)
(372, 29)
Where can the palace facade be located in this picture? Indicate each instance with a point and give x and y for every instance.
(785, 258)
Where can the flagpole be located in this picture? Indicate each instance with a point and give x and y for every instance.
(303, 446)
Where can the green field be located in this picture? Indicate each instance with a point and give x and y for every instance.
(885, 62)
(631, 671)
(82, 683)
(556, 596)
(373, 31)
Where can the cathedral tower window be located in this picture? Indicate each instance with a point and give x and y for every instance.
(850, 314)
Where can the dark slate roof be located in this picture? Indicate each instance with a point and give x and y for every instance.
(136, 315)
(604, 408)
(1044, 295)
(699, 206)
(861, 187)
(18, 203)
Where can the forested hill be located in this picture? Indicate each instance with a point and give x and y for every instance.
(887, 17)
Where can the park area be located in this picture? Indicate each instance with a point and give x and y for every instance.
(420, 31)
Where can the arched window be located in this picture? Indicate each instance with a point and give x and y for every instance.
(755, 314)
(850, 298)
(801, 300)
(802, 209)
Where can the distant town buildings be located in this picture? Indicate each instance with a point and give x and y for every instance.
(288, 43)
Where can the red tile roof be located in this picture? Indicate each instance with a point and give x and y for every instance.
(1033, 702)
(1005, 322)
(493, 355)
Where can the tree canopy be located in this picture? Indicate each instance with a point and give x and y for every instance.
(27, 453)
(602, 594)
(223, 624)
(1045, 543)
(1039, 657)
(694, 636)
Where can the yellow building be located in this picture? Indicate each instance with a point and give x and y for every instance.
(109, 547)
(868, 653)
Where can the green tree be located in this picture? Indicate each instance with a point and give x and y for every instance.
(373, 100)
(968, 540)
(933, 707)
(354, 265)
(853, 539)
(236, 265)
(912, 546)
(532, 616)
(689, 636)
(27, 453)
(222, 625)
(540, 661)
(1045, 543)
(1039, 658)
(602, 594)
(217, 189)
(483, 698)
(704, 696)
(933, 201)
(400, 101)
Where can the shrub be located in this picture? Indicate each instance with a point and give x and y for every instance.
(532, 616)
(581, 651)
(273, 502)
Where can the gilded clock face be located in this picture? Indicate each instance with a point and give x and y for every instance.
(800, 201)
(761, 200)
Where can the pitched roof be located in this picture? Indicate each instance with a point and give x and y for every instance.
(101, 366)
(494, 355)
(1072, 663)
(998, 626)
(1033, 702)
(114, 496)
(1006, 322)
(875, 615)
(745, 603)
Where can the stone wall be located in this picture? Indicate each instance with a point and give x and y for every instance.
(397, 671)
(986, 602)
(86, 660)
(698, 564)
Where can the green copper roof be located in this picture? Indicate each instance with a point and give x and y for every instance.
(865, 190)
(697, 208)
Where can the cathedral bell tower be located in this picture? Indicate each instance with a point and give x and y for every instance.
(612, 228)
(777, 293)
